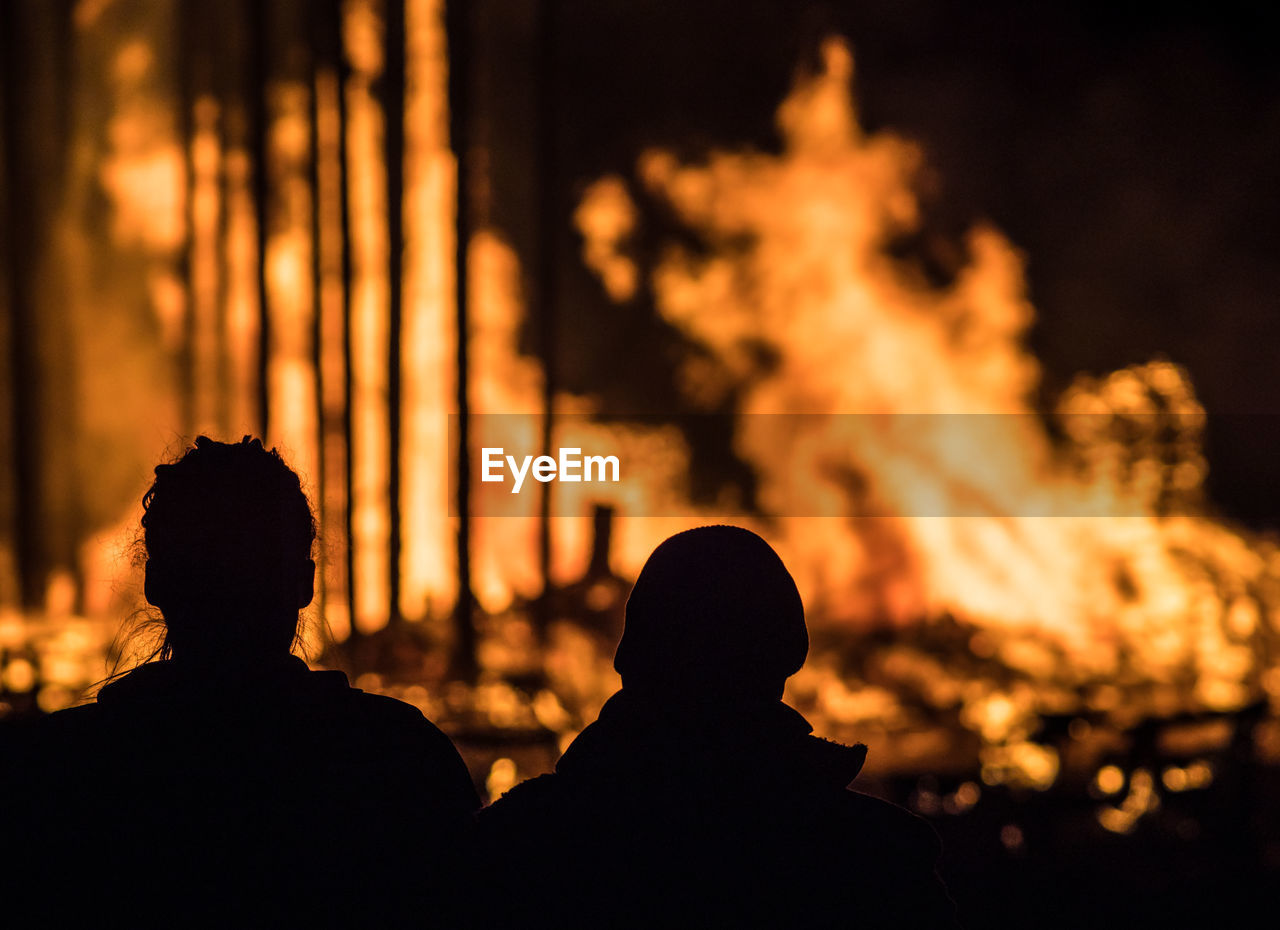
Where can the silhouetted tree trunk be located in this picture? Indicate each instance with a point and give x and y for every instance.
(35, 58)
(344, 193)
(330, 330)
(315, 15)
(457, 33)
(187, 16)
(545, 300)
(392, 94)
(257, 20)
(231, 22)
(10, 593)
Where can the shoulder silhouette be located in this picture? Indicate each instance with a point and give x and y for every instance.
(698, 798)
(225, 783)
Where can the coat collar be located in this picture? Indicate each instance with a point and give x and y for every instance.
(174, 680)
(635, 736)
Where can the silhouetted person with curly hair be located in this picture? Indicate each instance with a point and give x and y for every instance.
(226, 783)
(698, 798)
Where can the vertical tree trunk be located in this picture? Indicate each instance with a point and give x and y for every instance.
(331, 309)
(344, 193)
(457, 32)
(9, 593)
(36, 40)
(221, 61)
(314, 15)
(239, 318)
(545, 301)
(258, 20)
(392, 94)
(186, 16)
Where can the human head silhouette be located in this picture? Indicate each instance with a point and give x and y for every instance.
(228, 535)
(713, 614)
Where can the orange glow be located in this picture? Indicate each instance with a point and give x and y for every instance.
(370, 437)
(427, 336)
(605, 217)
(1142, 799)
(115, 295)
(292, 425)
(1094, 566)
(332, 494)
(242, 323)
(205, 274)
(143, 171)
(503, 776)
(504, 560)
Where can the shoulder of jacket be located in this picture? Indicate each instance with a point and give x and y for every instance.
(536, 794)
(382, 705)
(905, 832)
(70, 716)
(52, 745)
(390, 715)
(68, 721)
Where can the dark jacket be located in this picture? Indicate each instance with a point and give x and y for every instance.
(281, 796)
(725, 816)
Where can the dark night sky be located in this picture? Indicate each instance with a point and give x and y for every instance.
(1133, 157)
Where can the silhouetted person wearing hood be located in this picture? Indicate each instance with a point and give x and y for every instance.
(698, 798)
(227, 784)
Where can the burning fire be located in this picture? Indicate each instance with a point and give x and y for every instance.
(1071, 546)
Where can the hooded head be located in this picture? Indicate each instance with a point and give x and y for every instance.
(713, 614)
